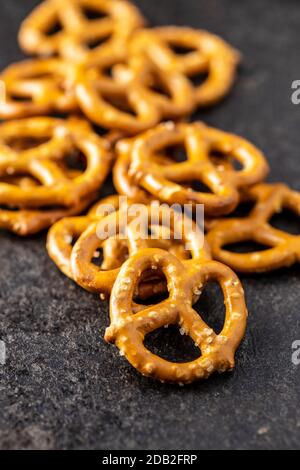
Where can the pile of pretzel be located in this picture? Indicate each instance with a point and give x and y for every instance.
(106, 93)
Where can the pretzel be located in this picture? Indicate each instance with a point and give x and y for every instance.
(25, 222)
(78, 34)
(87, 275)
(37, 87)
(128, 331)
(284, 248)
(205, 54)
(127, 99)
(65, 231)
(55, 140)
(167, 182)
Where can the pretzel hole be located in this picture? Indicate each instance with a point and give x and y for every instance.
(75, 161)
(199, 187)
(151, 288)
(224, 161)
(172, 345)
(247, 246)
(93, 13)
(54, 28)
(181, 49)
(25, 143)
(109, 71)
(96, 42)
(211, 307)
(101, 131)
(286, 221)
(236, 164)
(177, 153)
(243, 210)
(98, 258)
(22, 180)
(159, 87)
(9, 208)
(199, 78)
(121, 103)
(20, 98)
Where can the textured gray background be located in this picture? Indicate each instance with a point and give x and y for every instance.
(62, 386)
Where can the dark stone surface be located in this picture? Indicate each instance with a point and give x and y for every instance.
(62, 386)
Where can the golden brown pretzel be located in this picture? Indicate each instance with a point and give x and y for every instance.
(78, 34)
(25, 222)
(284, 248)
(168, 182)
(50, 142)
(205, 54)
(62, 234)
(128, 330)
(96, 280)
(127, 98)
(37, 87)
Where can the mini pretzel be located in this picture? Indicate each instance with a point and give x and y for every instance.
(284, 248)
(208, 54)
(128, 330)
(126, 100)
(87, 275)
(37, 87)
(167, 182)
(78, 34)
(24, 222)
(63, 233)
(56, 139)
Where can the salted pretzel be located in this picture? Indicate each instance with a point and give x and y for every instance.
(204, 54)
(284, 248)
(25, 222)
(47, 143)
(37, 87)
(125, 184)
(116, 225)
(128, 98)
(88, 30)
(173, 183)
(62, 235)
(128, 329)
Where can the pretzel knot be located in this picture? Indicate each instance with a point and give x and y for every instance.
(37, 87)
(284, 248)
(168, 182)
(128, 330)
(204, 54)
(40, 147)
(133, 96)
(84, 30)
(115, 227)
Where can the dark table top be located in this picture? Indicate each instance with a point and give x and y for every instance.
(62, 386)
